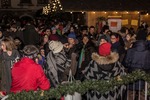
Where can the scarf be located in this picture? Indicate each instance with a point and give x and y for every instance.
(81, 58)
(52, 69)
(56, 62)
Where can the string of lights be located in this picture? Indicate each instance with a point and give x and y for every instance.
(53, 6)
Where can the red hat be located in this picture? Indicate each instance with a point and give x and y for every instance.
(105, 49)
(53, 37)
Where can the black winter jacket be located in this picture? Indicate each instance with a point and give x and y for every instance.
(138, 57)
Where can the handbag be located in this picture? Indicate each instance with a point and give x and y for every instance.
(76, 95)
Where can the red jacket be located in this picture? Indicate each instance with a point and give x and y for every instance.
(27, 75)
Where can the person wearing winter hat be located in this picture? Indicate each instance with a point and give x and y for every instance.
(72, 49)
(104, 66)
(71, 40)
(30, 51)
(27, 74)
(72, 35)
(57, 63)
(105, 49)
(54, 36)
(55, 46)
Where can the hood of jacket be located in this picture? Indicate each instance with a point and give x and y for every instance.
(110, 59)
(140, 45)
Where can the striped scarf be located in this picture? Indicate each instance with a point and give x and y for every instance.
(61, 61)
(56, 62)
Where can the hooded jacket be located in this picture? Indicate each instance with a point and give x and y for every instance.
(104, 68)
(27, 75)
(100, 65)
(138, 57)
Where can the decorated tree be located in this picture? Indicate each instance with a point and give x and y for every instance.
(53, 6)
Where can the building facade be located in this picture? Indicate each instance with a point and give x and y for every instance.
(89, 10)
(20, 7)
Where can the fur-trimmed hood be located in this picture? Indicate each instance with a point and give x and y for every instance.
(112, 58)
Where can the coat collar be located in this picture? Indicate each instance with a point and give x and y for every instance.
(112, 58)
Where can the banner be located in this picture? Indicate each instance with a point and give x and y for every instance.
(114, 24)
(134, 22)
(125, 22)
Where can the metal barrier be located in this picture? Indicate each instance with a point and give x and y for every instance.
(137, 94)
(130, 94)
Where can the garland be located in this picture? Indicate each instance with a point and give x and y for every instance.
(82, 87)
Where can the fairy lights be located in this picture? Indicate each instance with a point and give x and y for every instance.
(53, 6)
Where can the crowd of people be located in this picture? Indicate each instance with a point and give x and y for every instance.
(39, 55)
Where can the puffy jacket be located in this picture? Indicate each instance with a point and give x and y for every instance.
(27, 75)
(138, 57)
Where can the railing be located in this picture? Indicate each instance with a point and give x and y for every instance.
(102, 86)
(137, 94)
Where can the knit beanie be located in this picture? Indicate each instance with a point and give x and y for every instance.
(30, 51)
(54, 37)
(72, 35)
(105, 49)
(55, 46)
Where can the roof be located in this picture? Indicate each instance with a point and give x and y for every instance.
(106, 5)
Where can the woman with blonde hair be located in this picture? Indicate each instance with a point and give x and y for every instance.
(8, 57)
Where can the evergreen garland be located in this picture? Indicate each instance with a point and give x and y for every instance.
(82, 87)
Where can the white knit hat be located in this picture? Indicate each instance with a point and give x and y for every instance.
(55, 46)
